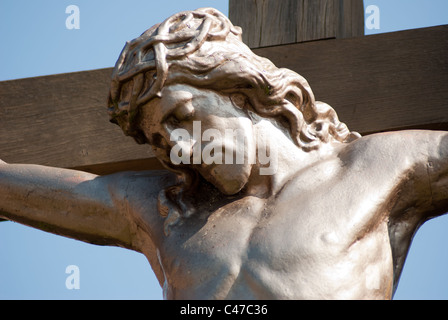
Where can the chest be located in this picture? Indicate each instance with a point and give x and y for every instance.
(240, 241)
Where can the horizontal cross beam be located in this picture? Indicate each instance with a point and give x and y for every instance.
(375, 83)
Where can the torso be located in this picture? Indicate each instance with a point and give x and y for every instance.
(324, 236)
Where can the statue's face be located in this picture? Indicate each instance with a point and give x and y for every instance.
(204, 130)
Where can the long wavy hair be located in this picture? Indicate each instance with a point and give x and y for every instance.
(203, 49)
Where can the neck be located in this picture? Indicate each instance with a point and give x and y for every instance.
(279, 159)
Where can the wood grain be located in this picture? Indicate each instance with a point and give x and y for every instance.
(61, 120)
(376, 83)
(272, 22)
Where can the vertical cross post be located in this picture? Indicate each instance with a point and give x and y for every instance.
(272, 22)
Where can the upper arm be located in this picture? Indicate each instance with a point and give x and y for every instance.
(437, 173)
(411, 167)
(427, 192)
(422, 159)
(65, 202)
(423, 190)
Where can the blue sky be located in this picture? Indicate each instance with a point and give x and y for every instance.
(35, 41)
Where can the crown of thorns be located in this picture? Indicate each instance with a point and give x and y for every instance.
(144, 60)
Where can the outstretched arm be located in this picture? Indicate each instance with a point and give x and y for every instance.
(420, 160)
(65, 202)
(429, 183)
(424, 192)
(438, 175)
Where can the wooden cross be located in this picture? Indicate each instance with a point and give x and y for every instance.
(375, 83)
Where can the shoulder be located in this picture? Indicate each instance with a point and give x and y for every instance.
(139, 184)
(413, 163)
(399, 148)
(137, 189)
(136, 194)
